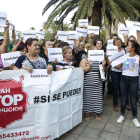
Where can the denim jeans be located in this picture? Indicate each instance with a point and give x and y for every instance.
(116, 78)
(129, 85)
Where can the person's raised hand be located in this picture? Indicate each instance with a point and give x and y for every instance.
(56, 37)
(30, 70)
(90, 62)
(103, 63)
(91, 35)
(7, 23)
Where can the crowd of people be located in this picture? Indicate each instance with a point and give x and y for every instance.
(122, 80)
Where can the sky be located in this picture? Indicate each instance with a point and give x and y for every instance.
(25, 14)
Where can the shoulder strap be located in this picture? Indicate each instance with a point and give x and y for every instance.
(31, 62)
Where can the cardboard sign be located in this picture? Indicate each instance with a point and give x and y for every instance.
(28, 34)
(62, 35)
(118, 58)
(40, 34)
(72, 34)
(136, 26)
(55, 53)
(10, 58)
(112, 50)
(3, 18)
(96, 55)
(83, 22)
(93, 29)
(81, 32)
(123, 30)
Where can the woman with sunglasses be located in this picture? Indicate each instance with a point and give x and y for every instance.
(32, 60)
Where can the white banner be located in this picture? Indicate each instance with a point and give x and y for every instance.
(96, 55)
(28, 34)
(81, 32)
(3, 18)
(83, 22)
(55, 53)
(136, 26)
(9, 58)
(62, 35)
(111, 50)
(123, 30)
(72, 34)
(43, 111)
(40, 34)
(93, 29)
(118, 58)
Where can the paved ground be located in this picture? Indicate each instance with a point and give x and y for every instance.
(107, 128)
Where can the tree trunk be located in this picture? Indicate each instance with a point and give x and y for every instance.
(116, 26)
(108, 31)
(96, 16)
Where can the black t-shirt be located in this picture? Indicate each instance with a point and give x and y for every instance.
(78, 57)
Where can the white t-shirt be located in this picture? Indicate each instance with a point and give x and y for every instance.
(131, 66)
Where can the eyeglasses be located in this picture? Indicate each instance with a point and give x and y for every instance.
(117, 41)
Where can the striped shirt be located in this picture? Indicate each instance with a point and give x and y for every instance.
(63, 65)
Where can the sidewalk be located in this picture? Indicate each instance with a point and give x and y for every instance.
(107, 128)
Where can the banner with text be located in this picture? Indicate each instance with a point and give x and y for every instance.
(40, 111)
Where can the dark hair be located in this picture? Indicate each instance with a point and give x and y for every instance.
(52, 40)
(21, 47)
(62, 44)
(96, 40)
(131, 36)
(29, 42)
(42, 45)
(136, 46)
(114, 35)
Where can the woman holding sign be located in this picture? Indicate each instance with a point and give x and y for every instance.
(32, 60)
(130, 81)
(92, 96)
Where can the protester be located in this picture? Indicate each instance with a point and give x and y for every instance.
(129, 81)
(67, 56)
(32, 60)
(92, 93)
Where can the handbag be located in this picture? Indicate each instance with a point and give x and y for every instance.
(31, 63)
(102, 73)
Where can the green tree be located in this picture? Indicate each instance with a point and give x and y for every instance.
(32, 28)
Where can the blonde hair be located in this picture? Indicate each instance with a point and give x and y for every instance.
(89, 47)
(65, 49)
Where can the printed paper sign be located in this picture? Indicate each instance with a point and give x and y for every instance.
(118, 58)
(83, 22)
(96, 55)
(123, 30)
(136, 26)
(51, 109)
(28, 34)
(110, 42)
(9, 58)
(17, 37)
(3, 18)
(39, 77)
(55, 53)
(62, 35)
(40, 34)
(81, 32)
(93, 29)
(112, 50)
(2, 29)
(70, 42)
(72, 34)
(11, 25)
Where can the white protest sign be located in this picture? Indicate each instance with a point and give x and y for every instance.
(62, 35)
(43, 112)
(28, 34)
(11, 25)
(110, 42)
(55, 53)
(81, 32)
(9, 58)
(111, 50)
(17, 37)
(83, 22)
(93, 29)
(3, 18)
(136, 26)
(40, 34)
(70, 42)
(2, 29)
(123, 30)
(96, 55)
(39, 77)
(72, 34)
(118, 58)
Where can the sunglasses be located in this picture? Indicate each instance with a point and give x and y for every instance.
(132, 41)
